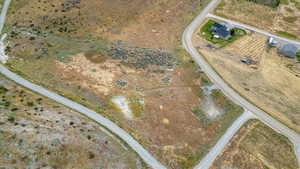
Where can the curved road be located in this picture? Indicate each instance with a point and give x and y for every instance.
(143, 153)
(227, 90)
(208, 160)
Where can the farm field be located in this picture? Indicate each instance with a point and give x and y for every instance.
(257, 146)
(282, 20)
(36, 132)
(123, 61)
(272, 82)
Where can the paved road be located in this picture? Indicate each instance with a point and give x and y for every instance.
(240, 25)
(227, 90)
(208, 160)
(144, 154)
(3, 13)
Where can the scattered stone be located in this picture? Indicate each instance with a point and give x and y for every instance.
(122, 83)
(166, 79)
(142, 58)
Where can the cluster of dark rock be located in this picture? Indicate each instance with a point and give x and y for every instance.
(122, 83)
(142, 58)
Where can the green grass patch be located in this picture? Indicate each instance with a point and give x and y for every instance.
(201, 115)
(228, 106)
(286, 34)
(284, 2)
(3, 90)
(236, 33)
(298, 56)
(137, 106)
(296, 3)
(221, 5)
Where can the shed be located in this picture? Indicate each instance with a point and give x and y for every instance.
(220, 31)
(289, 50)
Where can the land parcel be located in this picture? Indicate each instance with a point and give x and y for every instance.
(96, 51)
(272, 82)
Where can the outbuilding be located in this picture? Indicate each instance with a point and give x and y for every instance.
(289, 50)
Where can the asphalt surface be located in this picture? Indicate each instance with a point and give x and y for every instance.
(3, 13)
(208, 160)
(240, 25)
(139, 149)
(226, 89)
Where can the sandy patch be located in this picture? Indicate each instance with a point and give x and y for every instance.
(123, 105)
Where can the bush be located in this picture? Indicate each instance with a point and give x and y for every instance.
(298, 56)
(30, 104)
(286, 34)
(290, 19)
(3, 90)
(270, 3)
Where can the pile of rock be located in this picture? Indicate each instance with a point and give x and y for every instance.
(143, 58)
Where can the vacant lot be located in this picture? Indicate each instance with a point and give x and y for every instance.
(273, 83)
(38, 133)
(96, 51)
(257, 146)
(282, 20)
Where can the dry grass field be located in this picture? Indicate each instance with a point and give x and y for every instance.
(96, 51)
(283, 20)
(35, 132)
(272, 84)
(257, 146)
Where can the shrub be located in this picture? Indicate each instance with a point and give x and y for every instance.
(3, 90)
(298, 56)
(270, 3)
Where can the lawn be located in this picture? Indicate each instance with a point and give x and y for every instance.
(286, 34)
(236, 33)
